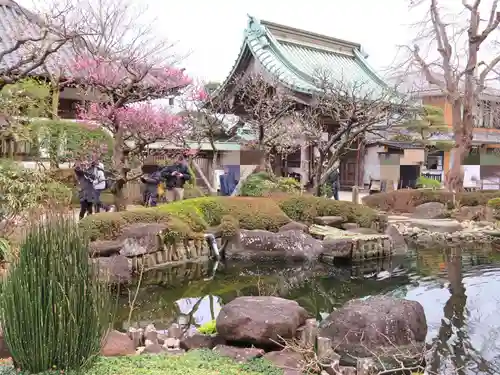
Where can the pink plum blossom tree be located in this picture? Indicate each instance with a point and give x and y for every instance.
(123, 92)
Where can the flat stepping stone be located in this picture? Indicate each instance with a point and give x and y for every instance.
(436, 225)
(329, 220)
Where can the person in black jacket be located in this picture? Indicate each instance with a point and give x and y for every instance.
(87, 193)
(333, 181)
(175, 176)
(151, 179)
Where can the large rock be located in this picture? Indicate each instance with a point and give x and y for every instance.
(260, 320)
(115, 269)
(117, 344)
(398, 241)
(289, 361)
(238, 354)
(430, 210)
(362, 327)
(338, 247)
(291, 244)
(294, 225)
(199, 341)
(105, 248)
(138, 239)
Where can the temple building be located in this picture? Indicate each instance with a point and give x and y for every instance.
(291, 57)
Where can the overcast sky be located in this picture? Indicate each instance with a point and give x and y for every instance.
(213, 30)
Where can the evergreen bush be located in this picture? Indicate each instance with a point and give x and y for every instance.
(54, 311)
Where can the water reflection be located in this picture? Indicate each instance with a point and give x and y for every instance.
(457, 289)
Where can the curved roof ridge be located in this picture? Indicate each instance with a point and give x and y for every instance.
(257, 32)
(369, 69)
(279, 52)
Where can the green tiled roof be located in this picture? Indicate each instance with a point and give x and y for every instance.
(295, 64)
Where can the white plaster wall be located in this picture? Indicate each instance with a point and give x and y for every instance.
(371, 164)
(472, 174)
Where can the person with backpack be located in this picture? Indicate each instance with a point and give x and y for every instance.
(99, 184)
(333, 181)
(87, 193)
(151, 179)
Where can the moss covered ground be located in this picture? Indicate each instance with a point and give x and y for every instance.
(199, 362)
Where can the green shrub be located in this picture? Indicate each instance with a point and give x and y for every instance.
(54, 311)
(305, 208)
(256, 185)
(25, 189)
(405, 200)
(288, 185)
(192, 191)
(494, 203)
(425, 182)
(262, 184)
(209, 328)
(198, 214)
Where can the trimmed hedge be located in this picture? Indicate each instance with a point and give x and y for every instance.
(305, 208)
(406, 200)
(192, 216)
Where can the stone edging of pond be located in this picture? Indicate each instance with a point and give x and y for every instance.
(357, 338)
(441, 232)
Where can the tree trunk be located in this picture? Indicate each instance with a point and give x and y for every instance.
(215, 158)
(317, 174)
(121, 170)
(54, 142)
(119, 198)
(462, 133)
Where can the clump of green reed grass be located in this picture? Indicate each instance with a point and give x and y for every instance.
(54, 309)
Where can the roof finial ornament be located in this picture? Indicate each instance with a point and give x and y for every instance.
(254, 27)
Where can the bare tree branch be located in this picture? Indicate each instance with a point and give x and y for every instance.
(345, 113)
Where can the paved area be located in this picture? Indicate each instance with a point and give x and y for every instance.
(347, 196)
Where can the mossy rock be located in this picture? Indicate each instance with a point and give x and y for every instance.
(229, 226)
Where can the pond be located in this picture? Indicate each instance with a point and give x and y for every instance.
(459, 290)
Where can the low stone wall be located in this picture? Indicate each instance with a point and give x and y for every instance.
(143, 247)
(177, 273)
(189, 250)
(357, 247)
(367, 247)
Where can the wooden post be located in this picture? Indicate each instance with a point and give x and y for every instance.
(355, 194)
(325, 349)
(309, 333)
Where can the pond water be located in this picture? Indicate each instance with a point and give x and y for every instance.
(460, 292)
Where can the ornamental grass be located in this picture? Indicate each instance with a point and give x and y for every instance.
(54, 309)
